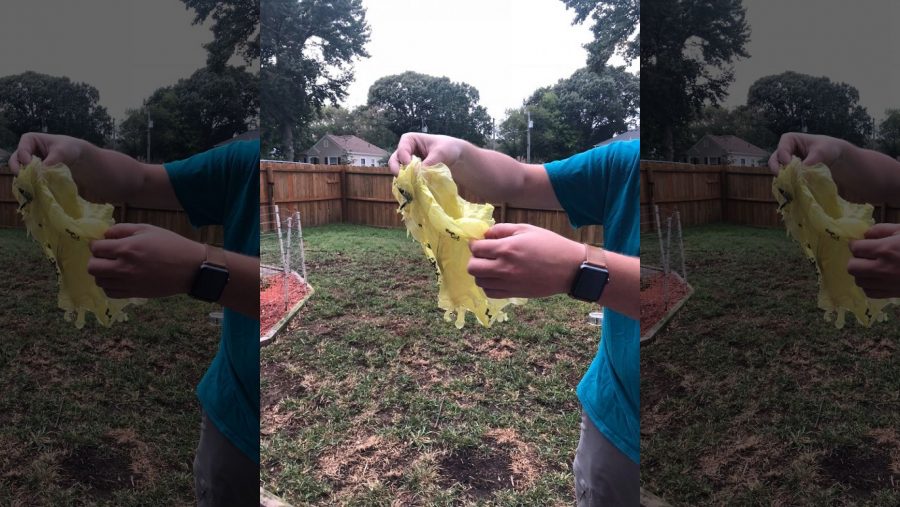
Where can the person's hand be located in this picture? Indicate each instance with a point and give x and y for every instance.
(876, 261)
(521, 260)
(432, 149)
(140, 260)
(810, 149)
(52, 149)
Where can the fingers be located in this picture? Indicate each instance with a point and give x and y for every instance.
(393, 164)
(865, 248)
(482, 268)
(882, 293)
(503, 230)
(119, 231)
(101, 268)
(105, 248)
(882, 231)
(485, 248)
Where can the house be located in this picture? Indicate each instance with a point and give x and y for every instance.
(350, 150)
(725, 150)
(624, 136)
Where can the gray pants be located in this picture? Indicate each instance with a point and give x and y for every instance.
(223, 475)
(603, 475)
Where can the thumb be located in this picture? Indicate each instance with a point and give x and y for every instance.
(882, 231)
(504, 230)
(120, 231)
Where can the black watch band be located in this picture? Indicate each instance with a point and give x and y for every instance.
(212, 276)
(592, 276)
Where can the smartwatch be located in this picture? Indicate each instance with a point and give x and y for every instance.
(592, 276)
(211, 278)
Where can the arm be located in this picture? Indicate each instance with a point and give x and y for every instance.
(109, 175)
(139, 260)
(519, 260)
(861, 175)
(497, 177)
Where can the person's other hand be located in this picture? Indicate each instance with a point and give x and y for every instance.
(876, 261)
(52, 149)
(521, 260)
(432, 149)
(140, 260)
(809, 148)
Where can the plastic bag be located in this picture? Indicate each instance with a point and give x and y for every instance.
(443, 223)
(64, 224)
(824, 223)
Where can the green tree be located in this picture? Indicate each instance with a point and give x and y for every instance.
(687, 50)
(193, 114)
(408, 99)
(235, 29)
(615, 28)
(307, 50)
(791, 101)
(573, 115)
(31, 101)
(888, 140)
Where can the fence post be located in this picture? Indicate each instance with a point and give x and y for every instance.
(343, 175)
(650, 198)
(723, 189)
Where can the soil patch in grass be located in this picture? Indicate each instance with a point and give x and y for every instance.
(862, 469)
(102, 469)
(503, 462)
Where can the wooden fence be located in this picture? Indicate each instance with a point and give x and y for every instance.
(326, 194)
(173, 219)
(705, 194)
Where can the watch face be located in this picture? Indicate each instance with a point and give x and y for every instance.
(210, 283)
(590, 282)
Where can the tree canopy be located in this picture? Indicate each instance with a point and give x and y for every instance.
(307, 50)
(888, 139)
(791, 101)
(687, 50)
(192, 115)
(573, 115)
(614, 27)
(31, 101)
(235, 29)
(446, 107)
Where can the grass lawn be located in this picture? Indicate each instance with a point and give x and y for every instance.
(95, 416)
(749, 397)
(372, 399)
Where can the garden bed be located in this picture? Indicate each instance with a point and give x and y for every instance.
(660, 300)
(274, 311)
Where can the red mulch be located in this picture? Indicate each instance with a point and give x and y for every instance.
(271, 299)
(653, 299)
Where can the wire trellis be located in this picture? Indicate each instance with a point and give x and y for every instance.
(665, 249)
(281, 248)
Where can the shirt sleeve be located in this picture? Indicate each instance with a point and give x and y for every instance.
(204, 182)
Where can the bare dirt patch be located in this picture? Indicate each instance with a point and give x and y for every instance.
(364, 461)
(504, 462)
(863, 469)
(101, 469)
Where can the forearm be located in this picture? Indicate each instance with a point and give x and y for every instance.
(241, 293)
(109, 175)
(622, 291)
(492, 175)
(867, 175)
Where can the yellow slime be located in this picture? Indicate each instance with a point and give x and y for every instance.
(64, 224)
(443, 223)
(824, 223)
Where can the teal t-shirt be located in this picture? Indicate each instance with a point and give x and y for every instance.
(602, 187)
(221, 187)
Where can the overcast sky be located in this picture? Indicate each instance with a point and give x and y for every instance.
(124, 48)
(855, 42)
(504, 48)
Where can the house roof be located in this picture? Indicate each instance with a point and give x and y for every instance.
(732, 144)
(354, 144)
(624, 136)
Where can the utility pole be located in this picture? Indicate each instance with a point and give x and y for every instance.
(530, 125)
(149, 126)
(493, 134)
(424, 127)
